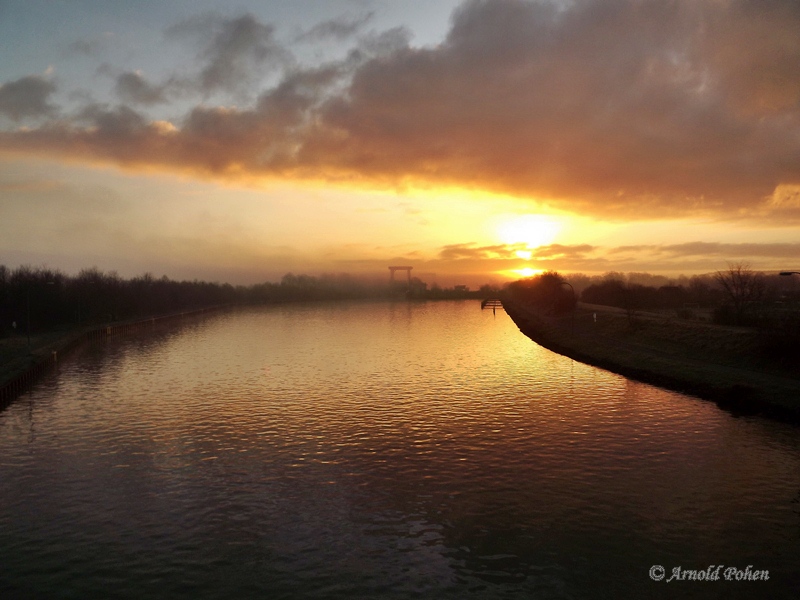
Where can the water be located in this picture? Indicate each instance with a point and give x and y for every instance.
(377, 450)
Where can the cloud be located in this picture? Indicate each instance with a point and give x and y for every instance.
(473, 252)
(716, 249)
(382, 44)
(90, 46)
(133, 88)
(26, 97)
(337, 29)
(675, 258)
(235, 52)
(615, 108)
(551, 251)
(86, 47)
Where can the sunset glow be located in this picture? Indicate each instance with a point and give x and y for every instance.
(531, 230)
(203, 141)
(526, 272)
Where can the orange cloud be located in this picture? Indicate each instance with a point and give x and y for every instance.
(608, 107)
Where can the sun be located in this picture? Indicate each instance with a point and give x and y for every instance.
(531, 230)
(523, 272)
(525, 233)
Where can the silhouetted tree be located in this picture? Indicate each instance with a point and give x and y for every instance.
(547, 292)
(744, 290)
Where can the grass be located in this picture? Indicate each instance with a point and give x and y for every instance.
(17, 356)
(719, 363)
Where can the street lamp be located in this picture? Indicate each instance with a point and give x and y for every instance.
(574, 303)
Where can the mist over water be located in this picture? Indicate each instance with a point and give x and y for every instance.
(364, 450)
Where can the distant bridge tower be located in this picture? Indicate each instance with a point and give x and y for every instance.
(406, 269)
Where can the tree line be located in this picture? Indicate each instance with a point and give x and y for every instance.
(43, 298)
(39, 299)
(737, 295)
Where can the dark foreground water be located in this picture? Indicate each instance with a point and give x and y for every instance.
(381, 451)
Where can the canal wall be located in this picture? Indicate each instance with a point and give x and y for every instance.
(643, 354)
(44, 359)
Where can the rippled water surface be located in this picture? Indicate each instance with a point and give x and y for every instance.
(379, 450)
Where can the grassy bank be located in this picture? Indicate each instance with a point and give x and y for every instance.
(23, 359)
(17, 355)
(713, 362)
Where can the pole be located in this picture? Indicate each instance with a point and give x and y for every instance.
(574, 304)
(28, 304)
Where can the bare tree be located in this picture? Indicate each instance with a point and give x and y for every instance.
(744, 288)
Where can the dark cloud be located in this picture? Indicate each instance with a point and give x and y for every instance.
(113, 123)
(99, 133)
(26, 97)
(90, 46)
(133, 88)
(85, 47)
(338, 29)
(235, 52)
(383, 44)
(755, 54)
(615, 108)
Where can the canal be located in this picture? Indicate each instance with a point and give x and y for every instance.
(382, 450)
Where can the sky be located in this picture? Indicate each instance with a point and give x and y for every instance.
(477, 141)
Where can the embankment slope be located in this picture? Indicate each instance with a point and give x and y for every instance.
(701, 359)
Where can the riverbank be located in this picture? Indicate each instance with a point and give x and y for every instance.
(23, 359)
(697, 358)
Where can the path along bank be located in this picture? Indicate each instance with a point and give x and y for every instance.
(709, 361)
(23, 363)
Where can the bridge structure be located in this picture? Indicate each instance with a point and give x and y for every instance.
(392, 271)
(493, 303)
